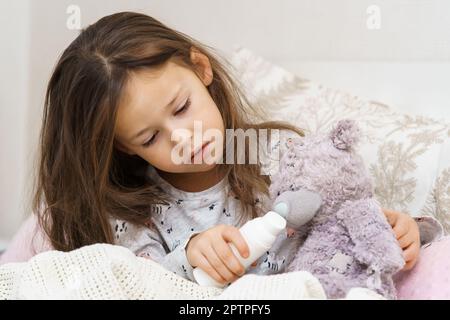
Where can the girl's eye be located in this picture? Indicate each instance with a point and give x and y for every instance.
(183, 108)
(179, 111)
(150, 141)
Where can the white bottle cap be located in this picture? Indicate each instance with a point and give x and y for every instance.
(273, 222)
(269, 225)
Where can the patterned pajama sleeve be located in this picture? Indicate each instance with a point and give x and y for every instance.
(146, 242)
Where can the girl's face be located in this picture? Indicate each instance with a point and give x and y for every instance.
(158, 112)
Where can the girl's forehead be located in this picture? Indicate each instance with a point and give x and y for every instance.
(154, 84)
(146, 92)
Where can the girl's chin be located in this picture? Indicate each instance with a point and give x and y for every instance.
(201, 167)
(190, 168)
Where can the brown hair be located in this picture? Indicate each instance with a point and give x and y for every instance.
(83, 180)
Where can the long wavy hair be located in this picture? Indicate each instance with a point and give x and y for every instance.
(83, 179)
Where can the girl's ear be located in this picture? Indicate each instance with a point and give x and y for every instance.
(203, 66)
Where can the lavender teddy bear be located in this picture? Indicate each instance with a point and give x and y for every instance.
(344, 237)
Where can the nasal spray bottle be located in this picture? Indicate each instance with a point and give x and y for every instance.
(259, 234)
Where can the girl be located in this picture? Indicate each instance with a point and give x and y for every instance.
(123, 95)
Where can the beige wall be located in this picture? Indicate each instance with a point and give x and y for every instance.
(14, 97)
(405, 63)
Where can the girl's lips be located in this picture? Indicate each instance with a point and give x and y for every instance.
(200, 150)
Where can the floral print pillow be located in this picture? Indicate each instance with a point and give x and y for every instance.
(408, 156)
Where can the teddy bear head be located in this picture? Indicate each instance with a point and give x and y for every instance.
(325, 165)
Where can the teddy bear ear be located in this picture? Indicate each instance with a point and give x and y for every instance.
(345, 134)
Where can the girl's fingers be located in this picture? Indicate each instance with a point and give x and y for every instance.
(223, 250)
(219, 266)
(232, 234)
(391, 216)
(204, 264)
(409, 265)
(400, 229)
(410, 255)
(398, 223)
(405, 241)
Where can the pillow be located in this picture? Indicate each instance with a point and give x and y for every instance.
(407, 156)
(430, 278)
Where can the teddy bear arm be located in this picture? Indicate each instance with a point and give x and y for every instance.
(374, 240)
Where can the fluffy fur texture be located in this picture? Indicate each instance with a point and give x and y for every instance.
(348, 242)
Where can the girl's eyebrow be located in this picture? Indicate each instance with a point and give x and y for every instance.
(172, 101)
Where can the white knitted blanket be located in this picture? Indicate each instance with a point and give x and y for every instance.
(105, 271)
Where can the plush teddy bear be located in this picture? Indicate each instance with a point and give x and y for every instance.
(344, 237)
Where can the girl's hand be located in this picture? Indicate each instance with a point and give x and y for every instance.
(211, 252)
(407, 232)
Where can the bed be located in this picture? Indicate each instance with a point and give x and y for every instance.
(408, 157)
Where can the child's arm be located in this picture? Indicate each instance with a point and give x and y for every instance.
(175, 261)
(145, 241)
(412, 233)
(209, 250)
